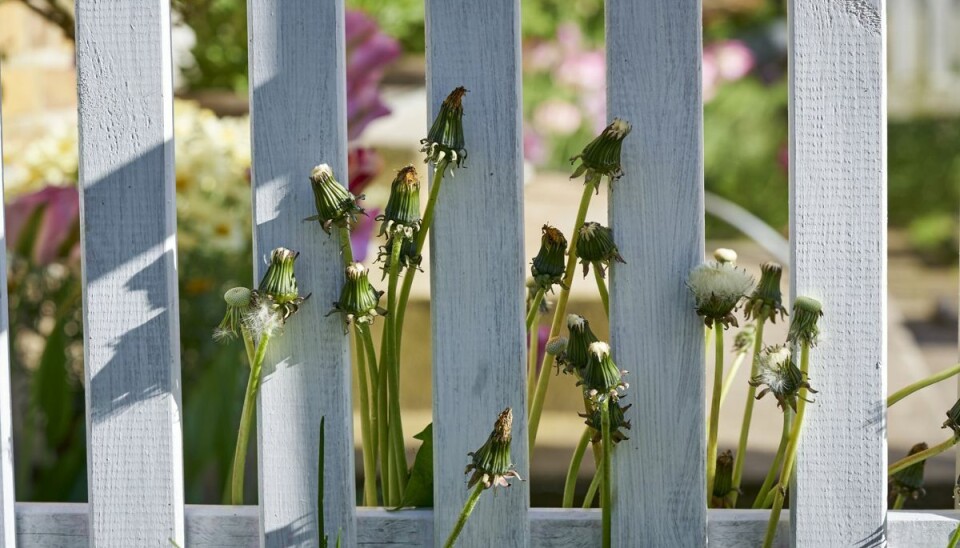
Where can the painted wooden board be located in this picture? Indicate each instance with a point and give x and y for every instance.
(7, 498)
(477, 264)
(298, 109)
(656, 213)
(128, 237)
(838, 219)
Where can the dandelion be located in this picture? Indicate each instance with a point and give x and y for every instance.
(803, 328)
(908, 483)
(765, 303)
(550, 263)
(779, 375)
(336, 206)
(596, 247)
(717, 289)
(601, 157)
(618, 420)
(601, 376)
(402, 214)
(575, 356)
(238, 304)
(723, 485)
(359, 301)
(445, 139)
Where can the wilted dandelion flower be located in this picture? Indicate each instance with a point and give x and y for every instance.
(577, 353)
(601, 377)
(491, 464)
(238, 305)
(618, 420)
(595, 246)
(402, 214)
(359, 301)
(765, 303)
(280, 284)
(909, 481)
(602, 155)
(336, 206)
(723, 481)
(803, 327)
(717, 289)
(408, 253)
(780, 376)
(445, 138)
(550, 263)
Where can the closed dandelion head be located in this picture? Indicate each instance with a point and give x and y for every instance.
(445, 139)
(402, 214)
(601, 157)
(359, 302)
(491, 464)
(238, 304)
(595, 246)
(336, 206)
(601, 377)
(551, 262)
(279, 282)
(618, 420)
(765, 303)
(573, 360)
(725, 255)
(723, 482)
(780, 376)
(909, 481)
(953, 419)
(717, 289)
(803, 326)
(409, 258)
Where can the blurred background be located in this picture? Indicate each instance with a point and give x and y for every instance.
(746, 159)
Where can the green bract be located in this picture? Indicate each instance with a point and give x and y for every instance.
(402, 213)
(577, 353)
(336, 206)
(601, 157)
(765, 303)
(551, 262)
(445, 139)
(359, 301)
(803, 326)
(601, 377)
(909, 481)
(491, 464)
(618, 420)
(595, 245)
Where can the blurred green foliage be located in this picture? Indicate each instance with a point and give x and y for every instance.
(220, 52)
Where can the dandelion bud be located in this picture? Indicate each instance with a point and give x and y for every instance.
(601, 374)
(717, 289)
(780, 376)
(725, 255)
(723, 482)
(403, 206)
(602, 155)
(803, 326)
(238, 303)
(745, 338)
(596, 246)
(618, 420)
(953, 419)
(550, 263)
(765, 301)
(909, 481)
(445, 138)
(359, 301)
(336, 206)
(491, 464)
(574, 359)
(278, 281)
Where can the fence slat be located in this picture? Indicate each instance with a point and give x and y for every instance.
(7, 498)
(298, 109)
(656, 212)
(128, 237)
(839, 247)
(477, 264)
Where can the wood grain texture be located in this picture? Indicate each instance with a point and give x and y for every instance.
(838, 220)
(7, 498)
(298, 109)
(128, 238)
(45, 525)
(477, 264)
(656, 213)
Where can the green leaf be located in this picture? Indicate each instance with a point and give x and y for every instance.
(419, 492)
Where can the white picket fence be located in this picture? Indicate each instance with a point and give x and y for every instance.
(838, 219)
(924, 57)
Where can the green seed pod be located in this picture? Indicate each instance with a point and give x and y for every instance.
(551, 261)
(336, 206)
(602, 155)
(723, 482)
(491, 464)
(595, 245)
(601, 377)
(279, 282)
(766, 301)
(618, 420)
(403, 207)
(359, 301)
(445, 138)
(238, 301)
(574, 359)
(803, 327)
(909, 481)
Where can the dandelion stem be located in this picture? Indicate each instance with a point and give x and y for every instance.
(898, 502)
(246, 421)
(741, 455)
(602, 288)
(543, 380)
(921, 384)
(922, 455)
(954, 539)
(593, 487)
(366, 434)
(393, 335)
(738, 359)
(715, 412)
(346, 247)
(534, 311)
(760, 501)
(533, 336)
(606, 497)
(570, 484)
(464, 515)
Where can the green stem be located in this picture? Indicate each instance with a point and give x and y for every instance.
(738, 360)
(246, 421)
(396, 426)
(921, 384)
(570, 484)
(898, 502)
(774, 516)
(534, 311)
(383, 433)
(760, 501)
(346, 247)
(594, 487)
(533, 337)
(464, 515)
(602, 288)
(954, 539)
(374, 377)
(249, 345)
(366, 434)
(543, 381)
(606, 497)
(715, 412)
(922, 455)
(741, 456)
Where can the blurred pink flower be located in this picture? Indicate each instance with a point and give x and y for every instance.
(557, 117)
(734, 60)
(594, 104)
(569, 37)
(585, 70)
(44, 225)
(540, 56)
(534, 149)
(369, 52)
(363, 164)
(710, 74)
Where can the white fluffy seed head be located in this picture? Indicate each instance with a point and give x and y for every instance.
(722, 280)
(355, 270)
(599, 349)
(575, 321)
(321, 172)
(262, 319)
(773, 364)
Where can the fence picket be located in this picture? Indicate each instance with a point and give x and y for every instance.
(298, 109)
(838, 239)
(656, 212)
(7, 498)
(130, 310)
(476, 264)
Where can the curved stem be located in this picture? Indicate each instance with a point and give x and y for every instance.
(464, 515)
(366, 434)
(534, 311)
(570, 484)
(715, 412)
(606, 497)
(533, 342)
(374, 376)
(954, 539)
(898, 502)
(922, 455)
(774, 516)
(760, 500)
(728, 379)
(594, 486)
(921, 384)
(396, 426)
(741, 454)
(543, 381)
(602, 288)
(246, 421)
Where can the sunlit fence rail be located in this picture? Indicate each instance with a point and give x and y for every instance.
(298, 103)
